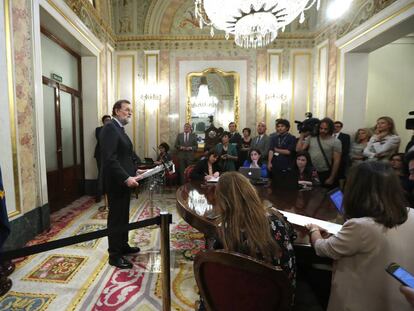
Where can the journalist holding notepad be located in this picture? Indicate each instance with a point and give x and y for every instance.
(207, 168)
(379, 229)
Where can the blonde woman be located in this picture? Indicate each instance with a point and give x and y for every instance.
(360, 142)
(384, 143)
(250, 228)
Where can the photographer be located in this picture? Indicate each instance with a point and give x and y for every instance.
(324, 149)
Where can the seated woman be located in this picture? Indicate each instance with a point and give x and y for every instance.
(255, 161)
(227, 152)
(384, 143)
(377, 232)
(207, 168)
(163, 156)
(248, 227)
(306, 171)
(397, 164)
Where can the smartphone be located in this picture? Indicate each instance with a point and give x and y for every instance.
(402, 275)
(336, 197)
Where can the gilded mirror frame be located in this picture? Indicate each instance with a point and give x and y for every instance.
(220, 72)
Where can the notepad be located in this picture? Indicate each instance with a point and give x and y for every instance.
(213, 179)
(304, 220)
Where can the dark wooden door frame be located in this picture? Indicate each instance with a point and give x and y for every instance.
(76, 118)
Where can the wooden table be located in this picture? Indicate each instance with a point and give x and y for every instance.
(196, 205)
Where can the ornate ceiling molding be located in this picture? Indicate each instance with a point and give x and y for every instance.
(91, 18)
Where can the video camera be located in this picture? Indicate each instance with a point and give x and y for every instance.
(409, 123)
(310, 125)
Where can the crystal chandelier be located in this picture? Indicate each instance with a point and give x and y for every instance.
(203, 104)
(254, 23)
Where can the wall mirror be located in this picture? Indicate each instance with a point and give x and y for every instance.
(212, 92)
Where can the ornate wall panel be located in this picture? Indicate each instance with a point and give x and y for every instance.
(23, 60)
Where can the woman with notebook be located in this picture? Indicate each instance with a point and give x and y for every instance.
(378, 231)
(207, 168)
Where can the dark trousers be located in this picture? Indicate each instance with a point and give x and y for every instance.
(118, 216)
(99, 186)
(185, 159)
(323, 176)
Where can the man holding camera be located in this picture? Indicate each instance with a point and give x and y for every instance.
(325, 151)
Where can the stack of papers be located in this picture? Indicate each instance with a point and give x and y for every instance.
(301, 220)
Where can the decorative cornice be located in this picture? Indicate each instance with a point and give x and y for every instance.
(217, 44)
(120, 39)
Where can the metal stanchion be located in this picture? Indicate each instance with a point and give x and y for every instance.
(165, 260)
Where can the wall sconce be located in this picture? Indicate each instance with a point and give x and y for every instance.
(277, 97)
(151, 96)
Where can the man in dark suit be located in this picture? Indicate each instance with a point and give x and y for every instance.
(186, 145)
(261, 141)
(6, 267)
(119, 177)
(97, 155)
(346, 145)
(235, 137)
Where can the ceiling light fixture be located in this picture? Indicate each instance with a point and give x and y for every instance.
(254, 23)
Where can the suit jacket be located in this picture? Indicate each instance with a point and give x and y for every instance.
(263, 145)
(346, 143)
(362, 249)
(236, 139)
(97, 152)
(118, 157)
(192, 142)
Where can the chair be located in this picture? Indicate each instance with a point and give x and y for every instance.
(232, 281)
(187, 173)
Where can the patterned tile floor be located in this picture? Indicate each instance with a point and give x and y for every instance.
(79, 278)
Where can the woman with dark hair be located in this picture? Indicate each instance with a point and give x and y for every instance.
(245, 145)
(377, 232)
(384, 143)
(397, 164)
(255, 161)
(248, 227)
(305, 169)
(227, 152)
(207, 168)
(163, 156)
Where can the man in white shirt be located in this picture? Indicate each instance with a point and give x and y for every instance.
(261, 141)
(186, 145)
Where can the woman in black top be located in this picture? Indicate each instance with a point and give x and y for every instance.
(245, 146)
(207, 167)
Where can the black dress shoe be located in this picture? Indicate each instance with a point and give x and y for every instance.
(7, 268)
(130, 250)
(120, 262)
(5, 285)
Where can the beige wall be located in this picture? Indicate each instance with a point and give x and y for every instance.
(391, 85)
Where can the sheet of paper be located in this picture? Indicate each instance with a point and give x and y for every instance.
(304, 220)
(214, 179)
